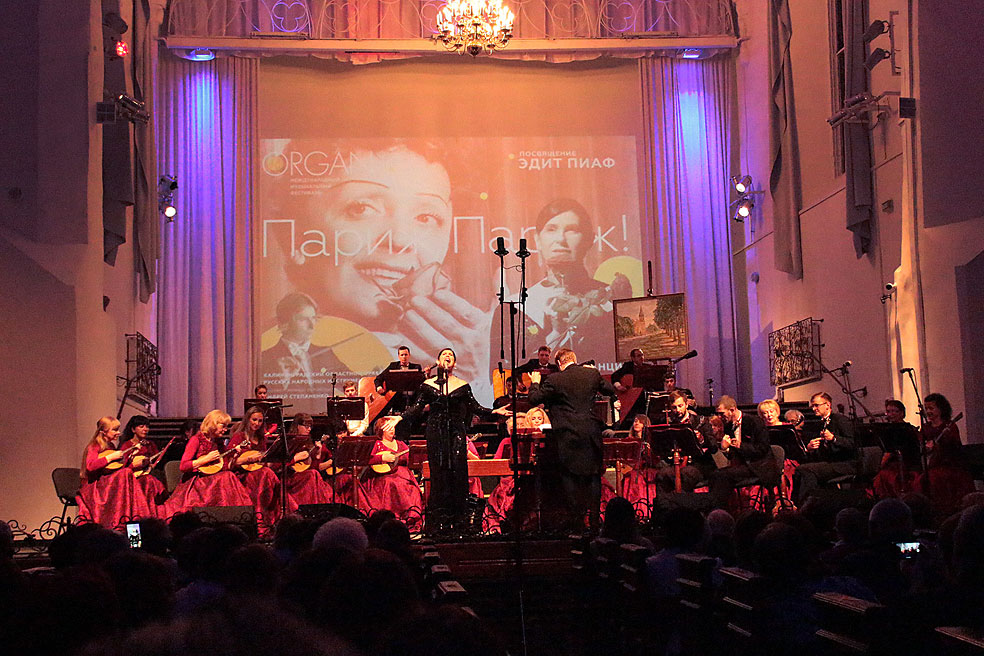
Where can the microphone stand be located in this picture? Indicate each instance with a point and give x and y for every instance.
(502, 253)
(923, 455)
(845, 385)
(522, 254)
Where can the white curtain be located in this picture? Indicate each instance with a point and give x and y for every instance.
(687, 109)
(206, 117)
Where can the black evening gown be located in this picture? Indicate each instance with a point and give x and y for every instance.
(448, 418)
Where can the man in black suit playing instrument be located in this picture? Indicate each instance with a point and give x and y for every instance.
(746, 445)
(831, 451)
(576, 436)
(400, 400)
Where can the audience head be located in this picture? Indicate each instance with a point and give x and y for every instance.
(377, 519)
(781, 552)
(720, 522)
(342, 533)
(968, 547)
(144, 585)
(620, 520)
(252, 569)
(7, 549)
(890, 520)
(684, 528)
(851, 526)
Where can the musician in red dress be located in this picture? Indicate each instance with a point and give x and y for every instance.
(107, 495)
(308, 458)
(259, 480)
(397, 489)
(149, 488)
(946, 480)
(202, 454)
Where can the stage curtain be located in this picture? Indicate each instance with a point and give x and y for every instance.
(784, 183)
(405, 19)
(857, 136)
(687, 113)
(206, 113)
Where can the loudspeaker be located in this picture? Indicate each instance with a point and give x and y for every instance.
(325, 511)
(242, 516)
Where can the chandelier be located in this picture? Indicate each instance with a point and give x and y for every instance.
(474, 25)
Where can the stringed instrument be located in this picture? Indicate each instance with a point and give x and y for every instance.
(628, 396)
(143, 470)
(375, 402)
(253, 453)
(116, 464)
(218, 464)
(304, 464)
(389, 467)
(679, 462)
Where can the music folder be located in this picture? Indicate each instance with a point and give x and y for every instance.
(398, 380)
(663, 438)
(346, 407)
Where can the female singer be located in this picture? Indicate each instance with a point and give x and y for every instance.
(198, 488)
(149, 489)
(304, 481)
(452, 407)
(946, 480)
(107, 495)
(262, 482)
(396, 490)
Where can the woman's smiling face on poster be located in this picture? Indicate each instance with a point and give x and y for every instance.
(388, 216)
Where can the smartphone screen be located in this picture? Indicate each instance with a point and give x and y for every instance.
(133, 535)
(908, 549)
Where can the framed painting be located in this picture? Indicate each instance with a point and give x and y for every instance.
(655, 324)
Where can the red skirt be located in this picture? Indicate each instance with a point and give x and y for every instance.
(343, 488)
(263, 487)
(199, 491)
(947, 488)
(111, 500)
(397, 492)
(641, 488)
(308, 487)
(499, 504)
(149, 490)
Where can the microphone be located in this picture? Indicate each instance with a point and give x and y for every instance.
(906, 370)
(846, 364)
(522, 252)
(692, 354)
(502, 373)
(500, 246)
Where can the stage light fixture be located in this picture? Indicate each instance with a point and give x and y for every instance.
(745, 206)
(877, 56)
(691, 53)
(200, 54)
(166, 186)
(877, 28)
(121, 49)
(742, 184)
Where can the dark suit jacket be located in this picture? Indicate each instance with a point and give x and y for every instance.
(569, 399)
(755, 451)
(843, 446)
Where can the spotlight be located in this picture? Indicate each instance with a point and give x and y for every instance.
(200, 54)
(745, 206)
(743, 184)
(166, 186)
(876, 57)
(121, 49)
(876, 28)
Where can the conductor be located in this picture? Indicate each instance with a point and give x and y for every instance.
(569, 399)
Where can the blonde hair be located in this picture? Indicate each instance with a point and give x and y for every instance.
(98, 439)
(539, 411)
(766, 403)
(210, 424)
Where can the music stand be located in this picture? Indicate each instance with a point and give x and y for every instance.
(616, 451)
(649, 377)
(351, 453)
(399, 380)
(346, 407)
(664, 438)
(785, 436)
(657, 404)
(899, 438)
